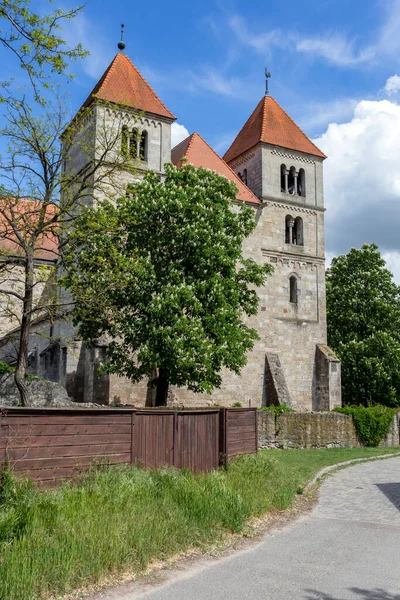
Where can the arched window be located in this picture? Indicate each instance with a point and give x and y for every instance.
(298, 232)
(143, 146)
(293, 289)
(284, 179)
(133, 139)
(294, 231)
(289, 224)
(240, 176)
(124, 141)
(245, 176)
(301, 183)
(292, 181)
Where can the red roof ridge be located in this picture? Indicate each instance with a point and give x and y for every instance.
(270, 124)
(295, 124)
(220, 157)
(147, 83)
(112, 69)
(190, 138)
(187, 146)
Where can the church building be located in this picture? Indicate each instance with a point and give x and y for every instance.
(278, 172)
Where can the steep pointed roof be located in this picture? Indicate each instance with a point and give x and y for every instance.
(199, 154)
(122, 83)
(270, 124)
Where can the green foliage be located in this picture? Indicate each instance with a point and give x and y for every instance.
(237, 405)
(5, 368)
(52, 542)
(162, 274)
(363, 308)
(35, 41)
(372, 423)
(281, 408)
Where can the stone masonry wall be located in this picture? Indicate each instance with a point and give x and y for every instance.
(314, 430)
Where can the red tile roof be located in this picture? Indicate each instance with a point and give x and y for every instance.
(199, 154)
(25, 215)
(123, 84)
(270, 124)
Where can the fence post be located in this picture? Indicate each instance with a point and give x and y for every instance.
(223, 459)
(133, 415)
(256, 426)
(174, 438)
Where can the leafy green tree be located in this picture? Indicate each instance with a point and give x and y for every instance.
(363, 308)
(41, 192)
(162, 276)
(35, 42)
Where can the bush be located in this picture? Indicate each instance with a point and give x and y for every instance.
(372, 423)
(237, 405)
(5, 368)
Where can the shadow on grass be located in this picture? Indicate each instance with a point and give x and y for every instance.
(377, 594)
(391, 491)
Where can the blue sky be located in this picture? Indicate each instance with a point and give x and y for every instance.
(206, 59)
(335, 69)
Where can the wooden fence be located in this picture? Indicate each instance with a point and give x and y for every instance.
(52, 444)
(237, 426)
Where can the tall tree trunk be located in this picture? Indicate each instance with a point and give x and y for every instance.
(162, 388)
(22, 359)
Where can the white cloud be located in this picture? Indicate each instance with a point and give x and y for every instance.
(392, 85)
(389, 40)
(205, 79)
(362, 179)
(335, 48)
(178, 134)
(393, 264)
(261, 42)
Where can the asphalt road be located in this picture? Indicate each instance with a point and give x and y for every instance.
(348, 548)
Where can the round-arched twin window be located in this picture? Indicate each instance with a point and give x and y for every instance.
(294, 231)
(293, 182)
(134, 143)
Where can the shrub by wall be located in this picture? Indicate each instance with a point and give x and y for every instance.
(372, 423)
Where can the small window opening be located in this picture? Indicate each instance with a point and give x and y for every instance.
(240, 176)
(294, 231)
(301, 183)
(291, 182)
(288, 229)
(284, 178)
(293, 289)
(245, 176)
(125, 141)
(133, 143)
(143, 146)
(298, 232)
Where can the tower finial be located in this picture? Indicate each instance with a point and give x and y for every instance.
(121, 43)
(267, 76)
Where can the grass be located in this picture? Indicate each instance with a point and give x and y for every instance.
(120, 518)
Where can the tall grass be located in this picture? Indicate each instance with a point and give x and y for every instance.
(123, 517)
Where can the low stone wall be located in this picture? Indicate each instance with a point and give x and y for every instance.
(313, 430)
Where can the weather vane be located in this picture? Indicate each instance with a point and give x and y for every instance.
(267, 76)
(121, 43)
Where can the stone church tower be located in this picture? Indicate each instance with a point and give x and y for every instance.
(284, 169)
